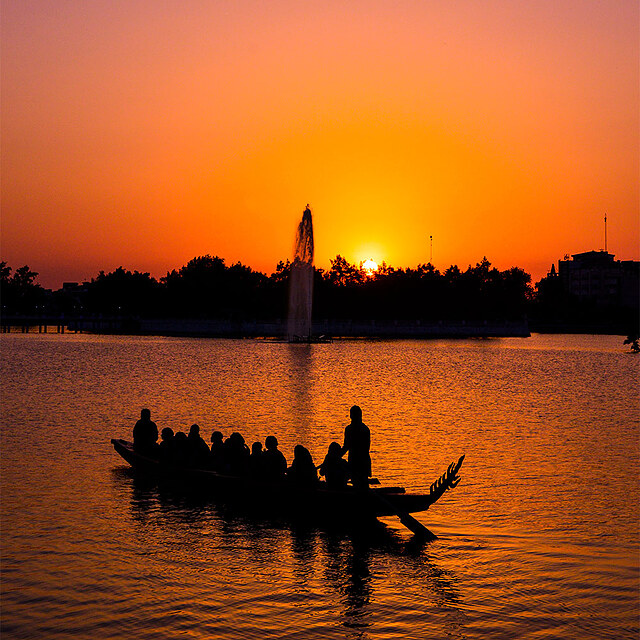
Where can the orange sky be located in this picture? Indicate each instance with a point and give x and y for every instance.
(144, 133)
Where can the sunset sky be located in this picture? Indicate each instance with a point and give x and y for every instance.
(144, 133)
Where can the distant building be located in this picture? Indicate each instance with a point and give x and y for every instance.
(71, 297)
(596, 276)
(74, 287)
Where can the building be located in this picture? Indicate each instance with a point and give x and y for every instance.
(596, 276)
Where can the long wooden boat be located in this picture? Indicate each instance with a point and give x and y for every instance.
(285, 496)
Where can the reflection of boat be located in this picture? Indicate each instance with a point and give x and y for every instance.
(284, 496)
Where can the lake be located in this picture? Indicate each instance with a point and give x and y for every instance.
(539, 540)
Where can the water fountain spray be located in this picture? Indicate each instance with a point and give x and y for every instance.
(301, 282)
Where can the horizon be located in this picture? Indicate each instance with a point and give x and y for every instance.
(142, 136)
(361, 265)
(55, 281)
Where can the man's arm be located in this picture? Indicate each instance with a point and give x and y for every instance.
(347, 442)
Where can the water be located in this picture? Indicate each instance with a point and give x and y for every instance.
(539, 540)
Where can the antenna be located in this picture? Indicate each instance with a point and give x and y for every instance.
(431, 255)
(605, 232)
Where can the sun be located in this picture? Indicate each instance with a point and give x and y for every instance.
(370, 266)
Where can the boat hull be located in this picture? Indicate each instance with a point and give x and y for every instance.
(280, 496)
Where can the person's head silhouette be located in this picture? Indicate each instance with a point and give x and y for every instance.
(236, 439)
(335, 450)
(256, 448)
(302, 454)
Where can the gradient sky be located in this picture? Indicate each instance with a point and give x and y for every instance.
(144, 133)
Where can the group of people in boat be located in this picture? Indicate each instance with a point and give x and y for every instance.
(232, 456)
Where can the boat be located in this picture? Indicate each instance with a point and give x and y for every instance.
(318, 501)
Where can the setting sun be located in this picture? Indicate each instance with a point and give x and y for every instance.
(370, 266)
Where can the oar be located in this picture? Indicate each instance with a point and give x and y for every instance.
(407, 519)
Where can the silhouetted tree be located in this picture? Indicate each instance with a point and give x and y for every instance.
(123, 292)
(205, 286)
(282, 272)
(20, 292)
(343, 273)
(633, 340)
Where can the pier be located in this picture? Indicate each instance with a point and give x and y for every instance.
(52, 323)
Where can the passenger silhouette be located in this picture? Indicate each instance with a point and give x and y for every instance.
(302, 470)
(217, 451)
(357, 441)
(198, 456)
(236, 455)
(256, 461)
(167, 445)
(145, 433)
(335, 468)
(180, 449)
(274, 462)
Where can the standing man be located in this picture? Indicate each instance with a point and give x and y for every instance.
(145, 433)
(357, 441)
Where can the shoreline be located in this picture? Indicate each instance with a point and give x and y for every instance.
(345, 329)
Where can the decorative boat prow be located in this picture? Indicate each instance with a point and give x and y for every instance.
(448, 480)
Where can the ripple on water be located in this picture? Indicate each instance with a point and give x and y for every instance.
(90, 550)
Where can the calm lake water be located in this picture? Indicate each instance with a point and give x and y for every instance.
(539, 540)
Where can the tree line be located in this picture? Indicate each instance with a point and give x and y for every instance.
(209, 288)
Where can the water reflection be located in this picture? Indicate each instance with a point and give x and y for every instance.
(348, 570)
(300, 367)
(352, 566)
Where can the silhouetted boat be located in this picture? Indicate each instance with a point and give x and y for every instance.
(285, 496)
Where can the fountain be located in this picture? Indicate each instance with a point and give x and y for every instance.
(301, 282)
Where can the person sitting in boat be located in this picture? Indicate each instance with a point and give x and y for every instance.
(166, 446)
(145, 434)
(236, 454)
(274, 464)
(180, 449)
(198, 449)
(302, 470)
(335, 468)
(357, 441)
(217, 451)
(256, 461)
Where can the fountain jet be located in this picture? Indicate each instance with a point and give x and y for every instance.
(301, 282)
